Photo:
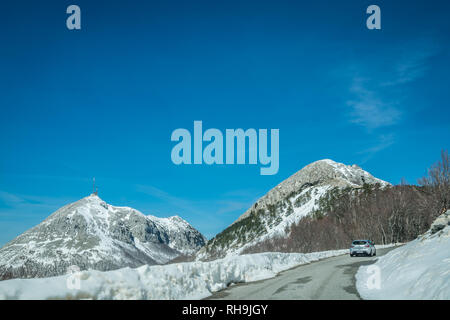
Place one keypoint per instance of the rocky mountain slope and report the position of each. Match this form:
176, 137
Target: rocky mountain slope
304, 193
92, 234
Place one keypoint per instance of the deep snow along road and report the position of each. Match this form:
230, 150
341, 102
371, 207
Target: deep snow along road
330, 279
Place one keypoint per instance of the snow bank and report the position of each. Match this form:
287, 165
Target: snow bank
191, 280
418, 270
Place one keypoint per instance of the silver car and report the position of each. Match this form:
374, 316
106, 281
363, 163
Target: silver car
363, 247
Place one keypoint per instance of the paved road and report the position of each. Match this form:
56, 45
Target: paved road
332, 278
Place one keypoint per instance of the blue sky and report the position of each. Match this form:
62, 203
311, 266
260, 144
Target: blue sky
104, 100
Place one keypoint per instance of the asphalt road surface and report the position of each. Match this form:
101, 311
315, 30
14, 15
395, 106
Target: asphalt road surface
330, 279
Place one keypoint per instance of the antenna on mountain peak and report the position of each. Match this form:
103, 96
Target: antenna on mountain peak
94, 190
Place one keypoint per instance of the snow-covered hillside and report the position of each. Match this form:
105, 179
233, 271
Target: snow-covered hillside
190, 280
92, 234
300, 195
418, 270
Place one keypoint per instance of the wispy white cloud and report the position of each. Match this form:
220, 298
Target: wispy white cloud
377, 91
205, 214
383, 142
20, 212
230, 201
413, 63
369, 109
29, 205
10, 199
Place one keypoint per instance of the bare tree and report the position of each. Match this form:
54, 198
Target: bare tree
393, 214
438, 180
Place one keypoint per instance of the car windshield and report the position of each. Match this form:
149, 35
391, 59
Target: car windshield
359, 242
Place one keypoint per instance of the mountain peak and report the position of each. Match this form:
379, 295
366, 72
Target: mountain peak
325, 172
334, 173
296, 197
92, 234
328, 161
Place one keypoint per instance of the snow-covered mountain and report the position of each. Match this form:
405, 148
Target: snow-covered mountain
92, 234
305, 193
